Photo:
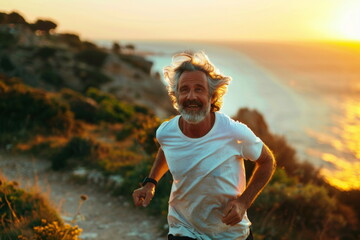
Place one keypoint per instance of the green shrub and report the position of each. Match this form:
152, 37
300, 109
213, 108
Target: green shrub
80, 150
125, 132
84, 108
6, 64
117, 160
21, 211
91, 77
146, 126
98, 95
52, 77
88, 45
115, 111
54, 231
72, 40
98, 107
25, 111
7, 40
45, 52
288, 210
111, 109
92, 57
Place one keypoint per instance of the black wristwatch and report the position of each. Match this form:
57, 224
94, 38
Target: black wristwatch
147, 179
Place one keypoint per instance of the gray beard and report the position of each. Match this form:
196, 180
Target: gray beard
194, 117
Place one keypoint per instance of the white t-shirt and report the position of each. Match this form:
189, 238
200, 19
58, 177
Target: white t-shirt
208, 172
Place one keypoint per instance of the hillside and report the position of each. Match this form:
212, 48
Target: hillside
45, 59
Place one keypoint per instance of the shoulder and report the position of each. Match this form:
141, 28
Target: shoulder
232, 125
167, 126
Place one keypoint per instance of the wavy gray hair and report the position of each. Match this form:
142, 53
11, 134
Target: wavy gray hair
198, 61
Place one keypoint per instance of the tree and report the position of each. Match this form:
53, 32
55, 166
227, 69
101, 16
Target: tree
3, 18
16, 18
130, 47
116, 48
44, 26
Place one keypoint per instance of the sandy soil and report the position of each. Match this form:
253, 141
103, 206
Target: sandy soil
102, 216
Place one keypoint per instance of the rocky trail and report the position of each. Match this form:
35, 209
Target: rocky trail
102, 216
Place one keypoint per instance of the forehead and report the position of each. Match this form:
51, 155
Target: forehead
193, 78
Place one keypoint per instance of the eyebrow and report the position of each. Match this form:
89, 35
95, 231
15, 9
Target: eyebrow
196, 85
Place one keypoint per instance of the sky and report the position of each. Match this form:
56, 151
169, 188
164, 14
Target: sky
229, 20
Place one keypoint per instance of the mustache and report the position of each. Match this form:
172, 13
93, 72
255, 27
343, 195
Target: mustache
192, 102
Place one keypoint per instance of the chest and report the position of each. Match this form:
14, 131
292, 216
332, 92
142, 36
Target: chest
186, 157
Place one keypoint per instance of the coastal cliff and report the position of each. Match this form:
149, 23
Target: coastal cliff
52, 61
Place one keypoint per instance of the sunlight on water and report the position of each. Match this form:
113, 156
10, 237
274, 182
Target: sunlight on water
346, 176
351, 127
346, 172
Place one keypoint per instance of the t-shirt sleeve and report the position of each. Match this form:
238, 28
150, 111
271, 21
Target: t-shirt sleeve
251, 145
159, 132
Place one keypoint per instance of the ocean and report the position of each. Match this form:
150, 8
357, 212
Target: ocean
307, 92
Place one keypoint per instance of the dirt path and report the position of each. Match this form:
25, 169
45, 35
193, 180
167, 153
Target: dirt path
104, 217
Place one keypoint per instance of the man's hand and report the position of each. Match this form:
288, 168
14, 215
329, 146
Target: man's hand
142, 196
233, 212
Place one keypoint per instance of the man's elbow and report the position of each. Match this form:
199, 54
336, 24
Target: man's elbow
267, 158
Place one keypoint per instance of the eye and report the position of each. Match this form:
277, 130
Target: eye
199, 89
183, 90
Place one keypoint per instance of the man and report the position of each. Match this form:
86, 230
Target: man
204, 151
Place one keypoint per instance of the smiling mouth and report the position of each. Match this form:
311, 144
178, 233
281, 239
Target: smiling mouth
193, 106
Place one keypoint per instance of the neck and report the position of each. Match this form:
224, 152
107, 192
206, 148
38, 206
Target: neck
199, 129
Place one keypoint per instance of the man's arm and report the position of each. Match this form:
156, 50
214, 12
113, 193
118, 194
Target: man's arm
264, 169
142, 196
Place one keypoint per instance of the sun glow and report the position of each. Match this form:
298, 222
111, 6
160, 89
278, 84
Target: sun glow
348, 23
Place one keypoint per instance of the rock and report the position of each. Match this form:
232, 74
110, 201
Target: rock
103, 226
96, 177
114, 181
66, 218
89, 235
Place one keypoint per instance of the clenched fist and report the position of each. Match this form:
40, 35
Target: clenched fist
142, 196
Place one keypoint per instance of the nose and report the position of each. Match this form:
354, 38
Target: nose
191, 95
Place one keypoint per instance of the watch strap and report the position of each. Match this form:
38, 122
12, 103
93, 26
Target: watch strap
147, 179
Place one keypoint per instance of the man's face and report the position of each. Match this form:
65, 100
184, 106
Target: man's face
193, 96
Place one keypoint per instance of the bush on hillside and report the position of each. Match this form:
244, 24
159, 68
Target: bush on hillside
290, 210
125, 132
84, 108
91, 77
45, 52
21, 211
78, 151
53, 231
12, 18
85, 45
44, 26
6, 65
98, 95
25, 111
111, 109
92, 57
7, 40
70, 39
52, 77
145, 128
